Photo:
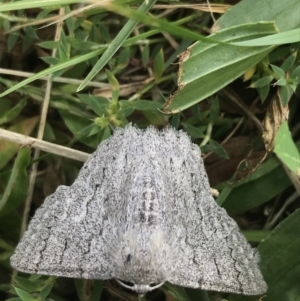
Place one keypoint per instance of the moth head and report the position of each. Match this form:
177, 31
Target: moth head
141, 289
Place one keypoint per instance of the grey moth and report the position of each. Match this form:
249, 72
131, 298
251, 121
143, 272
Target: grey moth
141, 212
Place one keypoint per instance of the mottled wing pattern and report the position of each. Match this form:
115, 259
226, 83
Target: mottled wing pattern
68, 234
211, 251
141, 211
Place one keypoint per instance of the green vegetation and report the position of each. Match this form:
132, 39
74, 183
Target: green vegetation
72, 71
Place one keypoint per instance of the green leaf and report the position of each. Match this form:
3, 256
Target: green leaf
285, 94
115, 44
24, 295
286, 150
23, 4
289, 62
194, 132
198, 80
13, 113
296, 73
76, 60
264, 81
49, 44
16, 189
145, 55
281, 82
114, 84
280, 262
46, 290
256, 235
51, 60
158, 66
157, 22
28, 285
30, 36
263, 184
287, 37
12, 40
263, 92
278, 71
75, 124
97, 104
250, 11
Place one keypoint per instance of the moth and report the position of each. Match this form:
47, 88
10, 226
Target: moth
141, 212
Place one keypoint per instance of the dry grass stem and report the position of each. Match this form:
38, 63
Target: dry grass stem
44, 146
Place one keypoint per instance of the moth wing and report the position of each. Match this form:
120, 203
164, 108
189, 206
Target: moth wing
71, 232
209, 250
216, 256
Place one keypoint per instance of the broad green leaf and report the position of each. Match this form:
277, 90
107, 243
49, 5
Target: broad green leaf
286, 150
280, 262
250, 11
206, 68
262, 185
287, 37
116, 44
16, 189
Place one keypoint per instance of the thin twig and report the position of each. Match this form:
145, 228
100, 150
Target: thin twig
44, 146
235, 100
289, 201
210, 11
228, 137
